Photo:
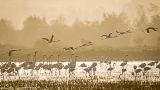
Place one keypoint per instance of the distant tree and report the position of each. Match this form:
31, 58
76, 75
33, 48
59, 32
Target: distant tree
7, 32
34, 28
114, 22
142, 23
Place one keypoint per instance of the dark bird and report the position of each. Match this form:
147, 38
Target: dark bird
51, 39
135, 67
142, 65
123, 32
107, 36
87, 69
11, 51
83, 65
89, 43
124, 70
123, 63
69, 48
138, 70
151, 28
146, 68
151, 63
158, 66
94, 64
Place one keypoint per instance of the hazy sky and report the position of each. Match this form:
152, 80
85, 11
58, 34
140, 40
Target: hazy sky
18, 10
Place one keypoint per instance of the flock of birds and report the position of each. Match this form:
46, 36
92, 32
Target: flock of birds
87, 43
10, 67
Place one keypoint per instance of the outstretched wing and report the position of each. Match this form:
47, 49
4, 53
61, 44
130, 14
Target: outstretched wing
52, 37
10, 52
45, 39
147, 30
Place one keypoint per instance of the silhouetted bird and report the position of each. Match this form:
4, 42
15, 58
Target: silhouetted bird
151, 28
11, 51
142, 65
151, 63
69, 48
83, 65
123, 63
89, 43
107, 36
123, 32
138, 70
135, 67
51, 39
146, 68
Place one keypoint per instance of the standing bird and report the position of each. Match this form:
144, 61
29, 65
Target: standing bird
158, 66
111, 68
83, 65
142, 65
151, 28
151, 63
123, 63
51, 39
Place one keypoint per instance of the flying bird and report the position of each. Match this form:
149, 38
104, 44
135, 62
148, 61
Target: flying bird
69, 48
89, 43
107, 36
51, 39
151, 28
11, 51
123, 32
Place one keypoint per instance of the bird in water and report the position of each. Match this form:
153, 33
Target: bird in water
151, 28
51, 39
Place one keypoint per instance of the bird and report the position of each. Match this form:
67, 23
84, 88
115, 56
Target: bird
135, 67
94, 64
151, 63
158, 66
146, 68
13, 50
151, 28
89, 43
51, 39
123, 32
83, 65
107, 36
142, 65
69, 48
111, 68
123, 63
138, 71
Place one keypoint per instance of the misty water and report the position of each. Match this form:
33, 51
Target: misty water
101, 73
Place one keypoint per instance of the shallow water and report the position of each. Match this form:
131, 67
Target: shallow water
101, 72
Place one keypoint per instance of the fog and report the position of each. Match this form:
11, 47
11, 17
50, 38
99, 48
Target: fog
24, 22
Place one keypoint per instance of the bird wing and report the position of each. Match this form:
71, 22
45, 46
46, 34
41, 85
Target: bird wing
147, 30
10, 52
52, 37
45, 39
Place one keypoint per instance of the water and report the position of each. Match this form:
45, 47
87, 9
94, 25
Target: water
101, 73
